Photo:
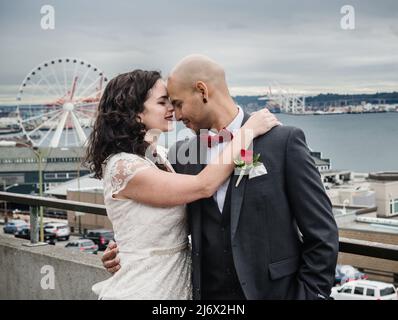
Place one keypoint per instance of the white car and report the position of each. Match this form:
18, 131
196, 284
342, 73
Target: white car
61, 230
365, 290
83, 245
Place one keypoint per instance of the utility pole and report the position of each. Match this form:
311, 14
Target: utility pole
39, 158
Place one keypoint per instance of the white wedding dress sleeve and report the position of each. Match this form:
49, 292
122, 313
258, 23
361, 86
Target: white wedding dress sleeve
153, 242
123, 169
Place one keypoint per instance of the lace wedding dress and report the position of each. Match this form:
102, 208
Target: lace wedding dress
153, 242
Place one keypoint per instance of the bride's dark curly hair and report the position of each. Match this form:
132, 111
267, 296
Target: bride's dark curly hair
118, 127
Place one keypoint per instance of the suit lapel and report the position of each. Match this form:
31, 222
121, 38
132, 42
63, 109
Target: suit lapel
237, 194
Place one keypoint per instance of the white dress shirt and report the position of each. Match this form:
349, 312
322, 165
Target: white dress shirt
212, 152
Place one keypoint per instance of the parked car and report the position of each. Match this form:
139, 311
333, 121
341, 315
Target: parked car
57, 214
365, 290
83, 245
61, 230
101, 237
347, 273
14, 226
49, 237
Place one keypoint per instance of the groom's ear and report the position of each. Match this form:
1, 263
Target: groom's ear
202, 88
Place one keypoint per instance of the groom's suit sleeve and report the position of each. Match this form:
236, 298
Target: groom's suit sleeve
313, 213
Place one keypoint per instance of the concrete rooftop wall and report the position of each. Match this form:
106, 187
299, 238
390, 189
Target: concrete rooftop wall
23, 271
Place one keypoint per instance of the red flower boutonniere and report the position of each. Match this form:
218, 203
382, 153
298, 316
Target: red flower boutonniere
248, 164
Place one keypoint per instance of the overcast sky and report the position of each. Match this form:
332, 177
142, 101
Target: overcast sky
297, 44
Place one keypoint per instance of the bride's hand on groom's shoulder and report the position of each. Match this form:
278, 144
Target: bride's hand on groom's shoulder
110, 259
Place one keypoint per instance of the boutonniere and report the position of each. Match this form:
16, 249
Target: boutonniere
248, 165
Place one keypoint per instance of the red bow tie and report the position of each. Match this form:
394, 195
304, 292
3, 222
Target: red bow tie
223, 136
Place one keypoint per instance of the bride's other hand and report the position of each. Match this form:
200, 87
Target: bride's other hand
110, 259
260, 122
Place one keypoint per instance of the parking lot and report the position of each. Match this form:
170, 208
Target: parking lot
59, 243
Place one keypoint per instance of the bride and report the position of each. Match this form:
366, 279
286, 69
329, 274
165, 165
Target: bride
144, 197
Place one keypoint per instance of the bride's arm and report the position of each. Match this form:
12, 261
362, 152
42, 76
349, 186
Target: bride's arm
160, 188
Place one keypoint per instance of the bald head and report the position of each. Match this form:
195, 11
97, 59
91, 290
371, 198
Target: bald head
199, 93
194, 68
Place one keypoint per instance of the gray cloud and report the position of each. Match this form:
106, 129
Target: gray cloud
299, 44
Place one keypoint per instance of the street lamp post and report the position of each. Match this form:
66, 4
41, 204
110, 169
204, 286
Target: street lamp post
78, 192
78, 214
5, 204
39, 158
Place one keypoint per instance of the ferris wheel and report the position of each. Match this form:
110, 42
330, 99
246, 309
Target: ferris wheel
57, 102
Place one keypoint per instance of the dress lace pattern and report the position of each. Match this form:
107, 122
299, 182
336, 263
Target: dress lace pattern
124, 168
153, 243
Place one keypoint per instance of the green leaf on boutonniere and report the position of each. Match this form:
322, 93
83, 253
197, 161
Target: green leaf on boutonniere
239, 163
256, 158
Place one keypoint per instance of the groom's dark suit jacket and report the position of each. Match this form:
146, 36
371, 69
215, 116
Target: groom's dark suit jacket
284, 237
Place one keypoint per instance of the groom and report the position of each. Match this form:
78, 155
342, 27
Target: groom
272, 236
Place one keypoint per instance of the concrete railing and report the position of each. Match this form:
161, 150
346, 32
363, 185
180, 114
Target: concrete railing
23, 269
46, 272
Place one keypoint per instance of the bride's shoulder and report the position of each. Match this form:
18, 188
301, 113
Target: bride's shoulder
122, 157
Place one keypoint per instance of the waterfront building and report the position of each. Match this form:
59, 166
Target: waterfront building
21, 166
385, 185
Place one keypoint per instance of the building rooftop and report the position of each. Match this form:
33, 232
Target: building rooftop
348, 220
384, 176
86, 183
23, 152
320, 162
33, 167
336, 171
18, 159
